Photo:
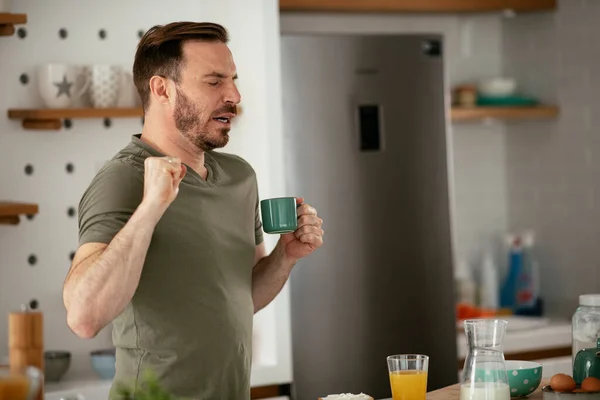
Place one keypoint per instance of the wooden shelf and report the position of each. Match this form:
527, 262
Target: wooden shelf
512, 113
8, 22
10, 211
417, 6
50, 118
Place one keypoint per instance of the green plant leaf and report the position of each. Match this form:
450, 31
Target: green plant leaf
149, 389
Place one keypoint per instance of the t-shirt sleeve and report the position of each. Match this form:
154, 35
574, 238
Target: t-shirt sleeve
258, 231
109, 201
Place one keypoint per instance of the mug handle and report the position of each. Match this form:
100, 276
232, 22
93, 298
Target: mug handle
85, 86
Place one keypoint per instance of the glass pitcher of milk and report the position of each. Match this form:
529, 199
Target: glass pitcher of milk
484, 375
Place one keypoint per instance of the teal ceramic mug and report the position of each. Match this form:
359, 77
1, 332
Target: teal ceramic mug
587, 363
279, 215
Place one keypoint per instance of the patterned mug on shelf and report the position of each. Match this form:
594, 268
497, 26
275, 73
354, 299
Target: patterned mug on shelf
104, 86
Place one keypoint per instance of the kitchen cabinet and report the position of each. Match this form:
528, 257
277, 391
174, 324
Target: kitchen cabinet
556, 365
548, 344
417, 6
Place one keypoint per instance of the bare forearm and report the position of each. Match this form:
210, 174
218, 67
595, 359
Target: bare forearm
269, 276
97, 293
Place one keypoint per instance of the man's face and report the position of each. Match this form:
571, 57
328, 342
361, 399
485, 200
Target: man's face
206, 94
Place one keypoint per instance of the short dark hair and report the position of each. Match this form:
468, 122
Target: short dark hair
160, 51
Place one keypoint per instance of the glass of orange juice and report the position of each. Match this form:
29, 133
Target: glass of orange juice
20, 384
408, 376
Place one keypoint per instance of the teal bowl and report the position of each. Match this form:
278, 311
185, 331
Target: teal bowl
524, 377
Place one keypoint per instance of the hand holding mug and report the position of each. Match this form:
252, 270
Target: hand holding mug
299, 224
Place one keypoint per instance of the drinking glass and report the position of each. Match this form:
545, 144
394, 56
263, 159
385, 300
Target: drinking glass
408, 376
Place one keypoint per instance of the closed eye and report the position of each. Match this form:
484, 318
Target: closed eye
213, 83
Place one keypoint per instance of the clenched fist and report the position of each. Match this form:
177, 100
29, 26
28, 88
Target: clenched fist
162, 176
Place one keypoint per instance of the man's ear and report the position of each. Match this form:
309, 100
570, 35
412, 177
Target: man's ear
160, 90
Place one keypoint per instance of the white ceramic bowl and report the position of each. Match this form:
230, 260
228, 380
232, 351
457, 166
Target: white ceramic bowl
497, 87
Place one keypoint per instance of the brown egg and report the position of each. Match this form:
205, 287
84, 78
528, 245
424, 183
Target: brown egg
579, 391
562, 383
591, 384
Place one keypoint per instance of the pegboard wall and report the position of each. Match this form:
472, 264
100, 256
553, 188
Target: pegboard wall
53, 168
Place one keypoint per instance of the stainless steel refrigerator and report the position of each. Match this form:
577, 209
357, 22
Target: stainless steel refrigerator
365, 139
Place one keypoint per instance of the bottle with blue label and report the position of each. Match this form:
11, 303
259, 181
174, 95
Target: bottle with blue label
508, 292
529, 299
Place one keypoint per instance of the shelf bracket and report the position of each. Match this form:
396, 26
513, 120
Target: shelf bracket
8, 22
10, 220
42, 124
7, 30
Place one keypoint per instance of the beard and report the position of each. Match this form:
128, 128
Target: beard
189, 121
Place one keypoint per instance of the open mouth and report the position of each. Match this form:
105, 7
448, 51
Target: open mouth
224, 118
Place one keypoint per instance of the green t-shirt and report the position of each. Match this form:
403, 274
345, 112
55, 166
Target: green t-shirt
190, 320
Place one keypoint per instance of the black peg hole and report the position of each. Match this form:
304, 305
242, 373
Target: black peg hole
68, 123
29, 169
32, 260
107, 122
102, 34
71, 255
30, 217
71, 212
22, 33
24, 78
141, 33
63, 33
34, 304
70, 168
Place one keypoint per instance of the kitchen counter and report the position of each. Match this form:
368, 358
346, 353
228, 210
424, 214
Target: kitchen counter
546, 340
96, 388
453, 393
541, 339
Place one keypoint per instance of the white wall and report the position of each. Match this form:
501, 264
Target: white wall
473, 48
52, 235
553, 171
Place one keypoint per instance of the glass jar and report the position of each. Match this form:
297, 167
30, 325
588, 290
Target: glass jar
586, 323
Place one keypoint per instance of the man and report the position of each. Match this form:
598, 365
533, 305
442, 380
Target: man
171, 245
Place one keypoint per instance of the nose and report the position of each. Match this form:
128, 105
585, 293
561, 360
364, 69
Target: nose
233, 95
